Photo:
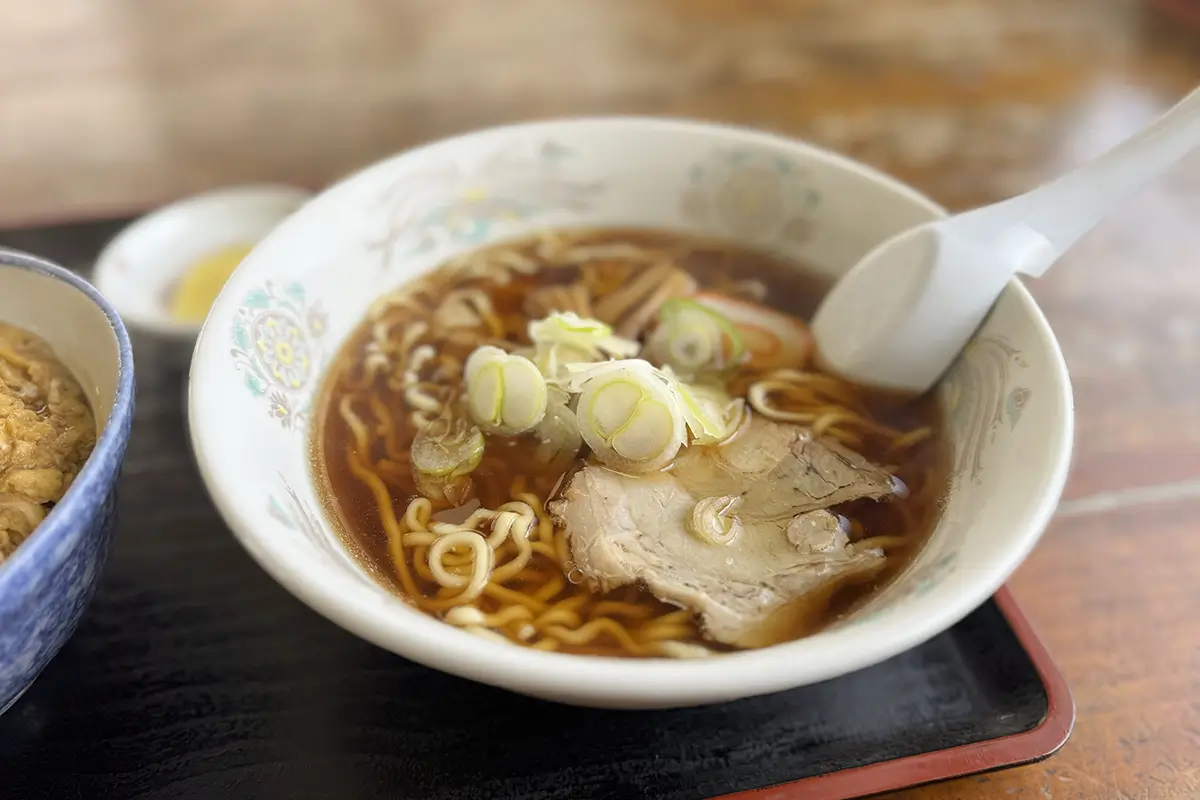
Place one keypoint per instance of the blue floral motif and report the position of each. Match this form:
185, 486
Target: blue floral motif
282, 349
276, 336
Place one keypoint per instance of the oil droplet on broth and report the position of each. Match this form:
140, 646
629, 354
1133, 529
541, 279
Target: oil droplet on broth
575, 575
195, 292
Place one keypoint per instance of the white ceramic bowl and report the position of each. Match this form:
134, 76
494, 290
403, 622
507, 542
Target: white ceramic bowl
261, 354
138, 268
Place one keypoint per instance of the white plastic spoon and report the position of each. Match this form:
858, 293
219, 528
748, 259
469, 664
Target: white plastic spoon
901, 315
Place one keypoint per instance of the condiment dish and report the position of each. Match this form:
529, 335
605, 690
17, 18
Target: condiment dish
144, 264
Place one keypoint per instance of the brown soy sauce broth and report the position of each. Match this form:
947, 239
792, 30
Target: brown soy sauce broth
716, 266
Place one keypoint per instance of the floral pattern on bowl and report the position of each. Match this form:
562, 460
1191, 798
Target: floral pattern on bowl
461, 203
979, 397
287, 507
762, 197
277, 336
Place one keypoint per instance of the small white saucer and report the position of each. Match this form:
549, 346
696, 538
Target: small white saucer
138, 268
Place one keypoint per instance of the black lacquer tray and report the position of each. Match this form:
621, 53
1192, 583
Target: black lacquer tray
194, 675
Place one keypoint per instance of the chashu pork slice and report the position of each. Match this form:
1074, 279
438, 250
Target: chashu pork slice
776, 578
779, 470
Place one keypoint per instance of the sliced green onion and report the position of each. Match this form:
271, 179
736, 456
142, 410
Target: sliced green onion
551, 358
444, 454
712, 416
506, 394
691, 338
446, 449
772, 339
565, 337
558, 432
567, 327
628, 414
714, 520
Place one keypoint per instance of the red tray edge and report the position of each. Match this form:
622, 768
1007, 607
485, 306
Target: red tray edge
955, 762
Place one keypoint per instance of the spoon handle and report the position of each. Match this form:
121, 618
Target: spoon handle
1065, 209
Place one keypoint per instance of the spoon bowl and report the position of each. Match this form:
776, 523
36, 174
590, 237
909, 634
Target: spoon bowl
901, 315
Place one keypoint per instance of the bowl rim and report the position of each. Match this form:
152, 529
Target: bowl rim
226, 199
621, 682
102, 467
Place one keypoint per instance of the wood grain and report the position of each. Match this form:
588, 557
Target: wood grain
119, 104
1110, 595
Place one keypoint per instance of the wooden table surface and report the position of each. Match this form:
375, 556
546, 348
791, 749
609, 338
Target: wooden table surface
968, 100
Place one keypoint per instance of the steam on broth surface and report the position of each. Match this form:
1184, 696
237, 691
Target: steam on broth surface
615, 443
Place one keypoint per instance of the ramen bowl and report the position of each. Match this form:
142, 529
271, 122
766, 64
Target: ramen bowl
47, 582
260, 358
